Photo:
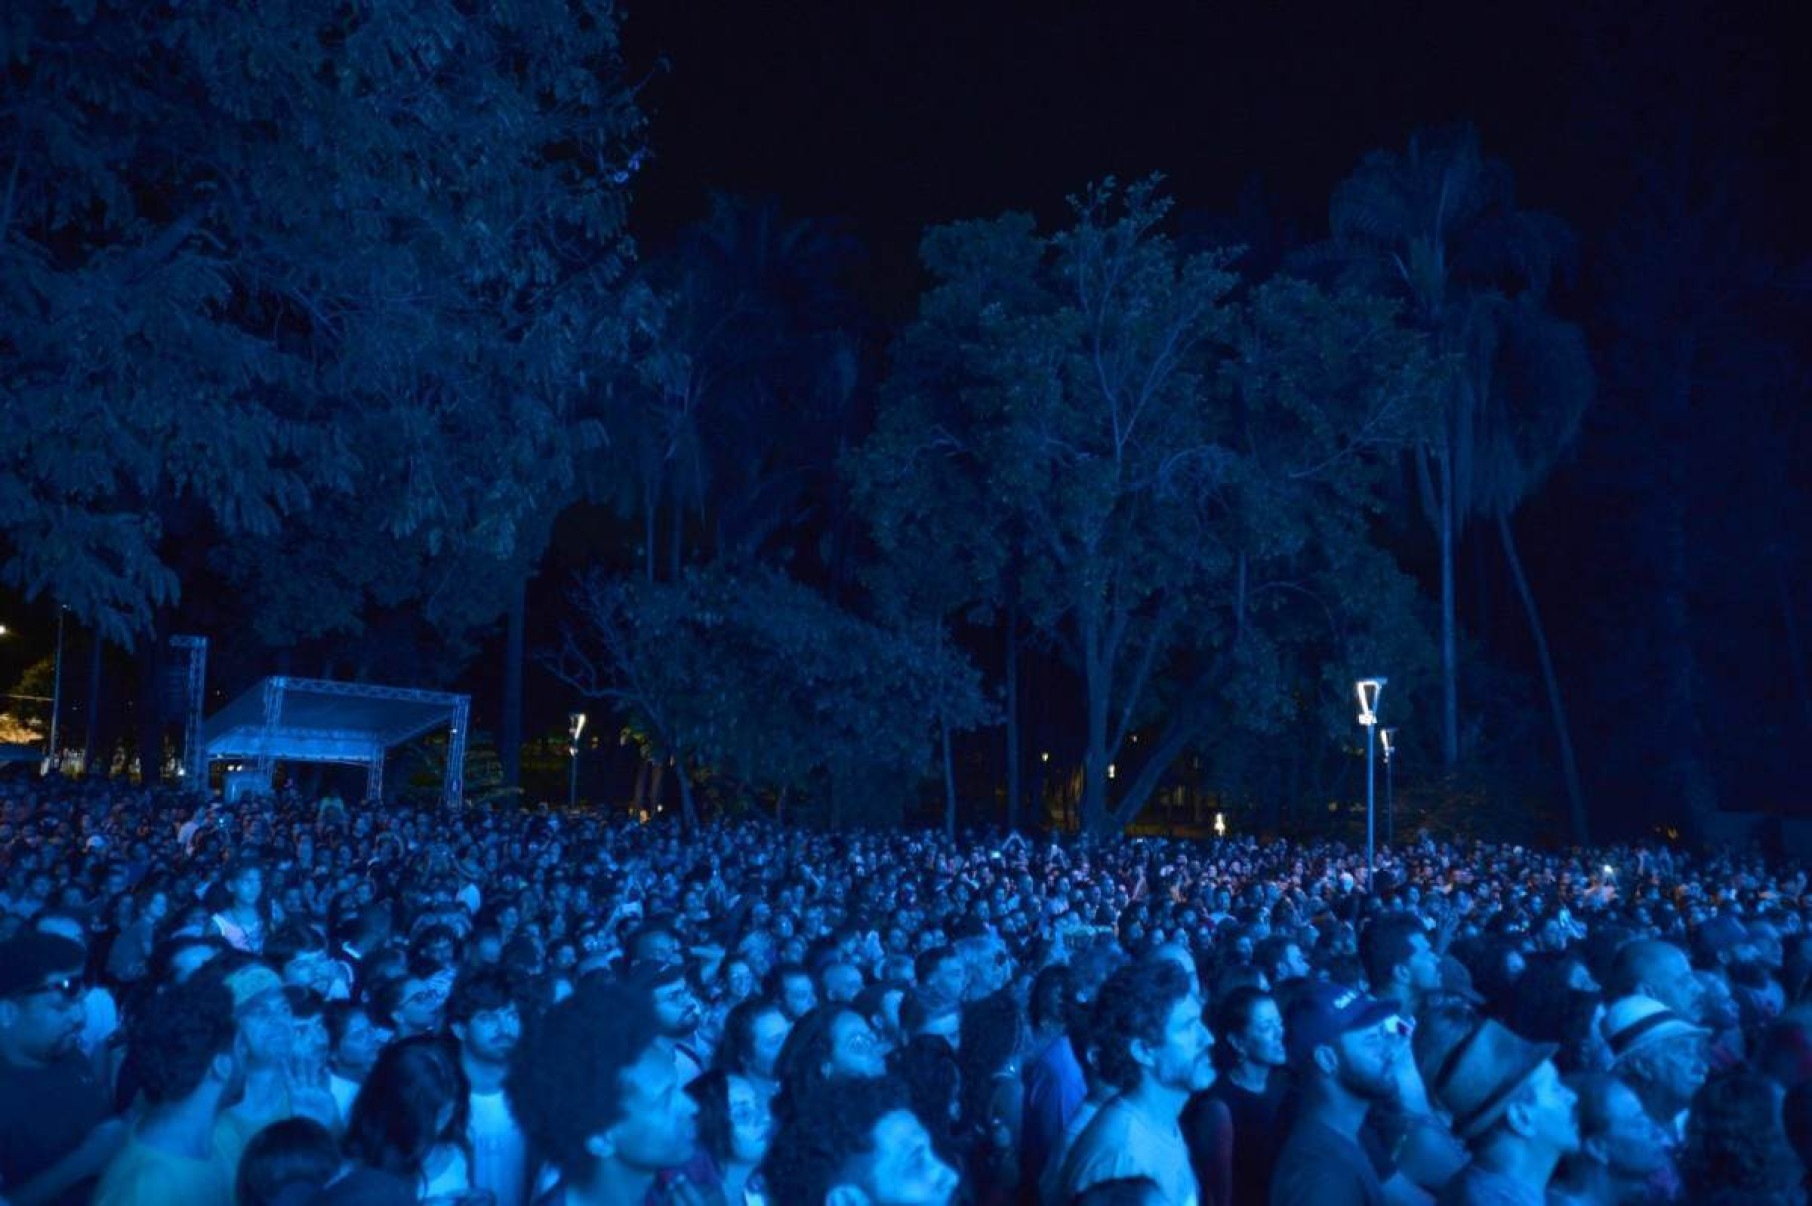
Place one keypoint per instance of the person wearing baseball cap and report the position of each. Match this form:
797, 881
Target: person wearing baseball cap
55, 1132
1343, 1046
1509, 1107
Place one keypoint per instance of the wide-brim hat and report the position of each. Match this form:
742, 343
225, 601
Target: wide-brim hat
1636, 1023
1475, 1079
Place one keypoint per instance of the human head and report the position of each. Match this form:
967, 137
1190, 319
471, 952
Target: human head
1615, 1132
485, 1015
1148, 1025
942, 975
795, 990
1341, 1040
1501, 1088
858, 1142
353, 1037
754, 1033
286, 1162
1248, 1028
1280, 957
1656, 1052
591, 1085
735, 1125
1735, 1143
41, 990
413, 1098
1652, 968
1399, 961
185, 1040
832, 1042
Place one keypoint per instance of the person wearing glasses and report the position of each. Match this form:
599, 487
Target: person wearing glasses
55, 1130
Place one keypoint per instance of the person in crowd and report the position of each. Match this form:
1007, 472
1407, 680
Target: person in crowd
857, 1143
735, 1128
795, 990
598, 1095
275, 1087
1736, 1151
1279, 958
243, 919
1230, 1127
1622, 1154
1153, 1047
485, 1017
1659, 971
942, 976
676, 1006
832, 1042
1054, 1085
189, 1069
1510, 1107
755, 1033
992, 1094
1659, 1054
353, 1042
398, 1143
1401, 964
287, 1164
1343, 1047
56, 1126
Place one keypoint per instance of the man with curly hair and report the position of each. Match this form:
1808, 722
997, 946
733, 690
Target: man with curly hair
185, 1043
857, 1143
1152, 1046
598, 1095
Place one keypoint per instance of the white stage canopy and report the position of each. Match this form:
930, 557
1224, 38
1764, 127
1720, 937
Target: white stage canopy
317, 720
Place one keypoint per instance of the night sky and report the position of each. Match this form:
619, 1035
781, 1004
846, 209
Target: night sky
895, 115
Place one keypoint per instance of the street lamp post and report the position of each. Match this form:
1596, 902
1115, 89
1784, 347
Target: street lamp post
1369, 690
1389, 739
56, 695
575, 724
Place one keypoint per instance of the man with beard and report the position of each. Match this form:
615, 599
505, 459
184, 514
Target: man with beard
1344, 1046
1401, 965
678, 1013
186, 1046
487, 1022
1150, 1043
1659, 1054
1511, 1110
55, 1135
858, 1142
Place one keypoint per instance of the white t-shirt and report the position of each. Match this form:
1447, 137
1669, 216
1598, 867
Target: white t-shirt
1122, 1142
499, 1150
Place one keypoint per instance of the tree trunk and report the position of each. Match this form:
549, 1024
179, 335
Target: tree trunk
509, 739
1450, 657
1013, 716
648, 531
90, 741
1563, 734
688, 806
943, 726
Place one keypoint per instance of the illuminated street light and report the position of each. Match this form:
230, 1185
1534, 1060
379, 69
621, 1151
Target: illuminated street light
1369, 690
575, 724
1388, 738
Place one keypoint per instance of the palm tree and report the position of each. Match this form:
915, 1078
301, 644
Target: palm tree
1439, 226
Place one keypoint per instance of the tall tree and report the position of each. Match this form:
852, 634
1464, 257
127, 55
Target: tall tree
1439, 226
1090, 406
256, 261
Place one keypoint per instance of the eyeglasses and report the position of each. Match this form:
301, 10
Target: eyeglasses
70, 988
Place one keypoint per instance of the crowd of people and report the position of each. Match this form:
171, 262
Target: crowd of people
291, 1001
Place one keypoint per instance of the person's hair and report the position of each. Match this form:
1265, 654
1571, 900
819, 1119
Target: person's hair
385, 998
836, 1126
928, 1068
1594, 1091
1796, 1120
290, 1152
711, 1091
800, 1066
292, 938
925, 965
481, 990
176, 1035
337, 1017
1135, 1003
1735, 1140
737, 1047
1049, 1003
1232, 1014
395, 1118
1270, 952
1385, 945
991, 1029
565, 1078
1631, 965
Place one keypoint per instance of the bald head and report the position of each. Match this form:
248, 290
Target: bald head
1660, 970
